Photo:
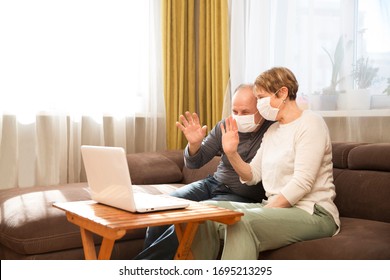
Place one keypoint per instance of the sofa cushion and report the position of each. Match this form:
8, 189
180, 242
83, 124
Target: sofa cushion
30, 225
370, 157
153, 168
358, 240
177, 156
122, 250
363, 194
192, 175
340, 151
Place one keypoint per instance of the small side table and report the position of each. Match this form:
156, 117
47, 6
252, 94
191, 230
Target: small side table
112, 224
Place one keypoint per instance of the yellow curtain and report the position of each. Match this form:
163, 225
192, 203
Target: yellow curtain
213, 71
179, 65
194, 79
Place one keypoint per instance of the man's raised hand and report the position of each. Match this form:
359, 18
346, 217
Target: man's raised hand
192, 129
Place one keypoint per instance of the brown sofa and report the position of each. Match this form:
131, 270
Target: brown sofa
32, 229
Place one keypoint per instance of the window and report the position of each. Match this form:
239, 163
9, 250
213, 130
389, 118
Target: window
363, 30
78, 57
373, 38
303, 35
72, 73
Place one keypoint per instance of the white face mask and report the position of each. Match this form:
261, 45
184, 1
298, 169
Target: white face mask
266, 110
246, 123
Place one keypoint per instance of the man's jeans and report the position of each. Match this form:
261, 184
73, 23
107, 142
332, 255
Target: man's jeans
161, 242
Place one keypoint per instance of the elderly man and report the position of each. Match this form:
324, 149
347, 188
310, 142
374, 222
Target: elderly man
224, 185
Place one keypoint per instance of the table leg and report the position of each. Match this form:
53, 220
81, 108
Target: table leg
185, 240
106, 249
88, 244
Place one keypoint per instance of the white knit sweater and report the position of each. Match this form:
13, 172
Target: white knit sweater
295, 159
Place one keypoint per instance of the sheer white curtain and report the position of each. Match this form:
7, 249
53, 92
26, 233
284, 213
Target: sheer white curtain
298, 34
72, 73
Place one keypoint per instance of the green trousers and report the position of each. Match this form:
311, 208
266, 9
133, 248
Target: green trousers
260, 229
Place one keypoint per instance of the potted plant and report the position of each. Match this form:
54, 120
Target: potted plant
328, 99
387, 90
337, 61
381, 101
364, 75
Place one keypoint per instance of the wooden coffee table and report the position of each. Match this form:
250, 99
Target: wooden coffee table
112, 224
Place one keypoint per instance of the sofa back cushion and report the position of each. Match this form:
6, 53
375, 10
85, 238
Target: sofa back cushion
340, 151
370, 157
155, 167
363, 186
192, 175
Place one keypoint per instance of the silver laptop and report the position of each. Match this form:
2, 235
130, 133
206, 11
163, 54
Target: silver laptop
109, 181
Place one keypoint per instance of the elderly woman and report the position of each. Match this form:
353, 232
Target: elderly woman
294, 163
